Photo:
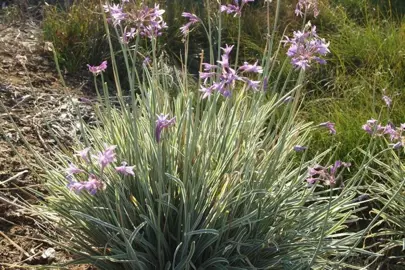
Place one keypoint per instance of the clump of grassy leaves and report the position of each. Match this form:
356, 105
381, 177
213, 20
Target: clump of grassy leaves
222, 189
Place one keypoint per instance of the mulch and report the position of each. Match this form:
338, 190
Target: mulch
33, 100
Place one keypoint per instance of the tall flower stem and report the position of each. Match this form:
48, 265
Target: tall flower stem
238, 42
209, 33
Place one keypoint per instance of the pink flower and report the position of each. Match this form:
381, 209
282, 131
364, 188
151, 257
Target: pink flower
124, 169
98, 69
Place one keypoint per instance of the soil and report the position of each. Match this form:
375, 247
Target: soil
34, 107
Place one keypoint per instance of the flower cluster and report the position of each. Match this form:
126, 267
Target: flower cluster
327, 175
305, 5
306, 47
234, 8
163, 122
395, 134
148, 22
228, 75
98, 69
94, 183
192, 19
116, 13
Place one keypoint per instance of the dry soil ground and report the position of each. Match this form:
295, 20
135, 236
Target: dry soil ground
32, 102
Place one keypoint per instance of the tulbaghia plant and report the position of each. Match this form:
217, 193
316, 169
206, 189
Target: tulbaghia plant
212, 184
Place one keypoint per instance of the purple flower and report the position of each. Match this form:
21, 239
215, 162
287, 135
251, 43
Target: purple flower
209, 67
251, 68
397, 145
300, 148
150, 21
305, 5
387, 100
192, 19
161, 123
124, 169
128, 35
390, 129
330, 126
98, 69
229, 9
92, 185
206, 75
228, 76
74, 185
254, 85
370, 127
207, 91
367, 128
116, 13
84, 154
107, 156
73, 169
234, 8
146, 61
306, 47
325, 175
